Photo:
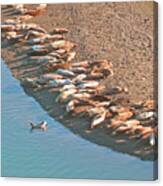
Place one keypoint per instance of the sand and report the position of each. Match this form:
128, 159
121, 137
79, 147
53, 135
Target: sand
123, 33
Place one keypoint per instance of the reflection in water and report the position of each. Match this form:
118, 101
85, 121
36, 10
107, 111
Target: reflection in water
58, 152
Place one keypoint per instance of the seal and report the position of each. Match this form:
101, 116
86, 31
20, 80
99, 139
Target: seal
42, 126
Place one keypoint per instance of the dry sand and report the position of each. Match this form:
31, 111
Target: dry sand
123, 33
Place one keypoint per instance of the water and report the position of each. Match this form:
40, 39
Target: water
57, 153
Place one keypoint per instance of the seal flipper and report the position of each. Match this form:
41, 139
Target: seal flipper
32, 125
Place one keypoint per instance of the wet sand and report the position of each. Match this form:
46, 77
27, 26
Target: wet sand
119, 32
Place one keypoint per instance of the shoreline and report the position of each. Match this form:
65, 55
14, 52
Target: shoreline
78, 125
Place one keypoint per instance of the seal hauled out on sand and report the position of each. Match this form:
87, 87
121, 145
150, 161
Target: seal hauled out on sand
43, 126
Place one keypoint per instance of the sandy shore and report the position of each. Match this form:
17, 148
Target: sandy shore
119, 32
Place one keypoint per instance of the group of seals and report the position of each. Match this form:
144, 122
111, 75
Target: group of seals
79, 84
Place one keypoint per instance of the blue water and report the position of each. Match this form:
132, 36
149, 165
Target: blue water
57, 153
